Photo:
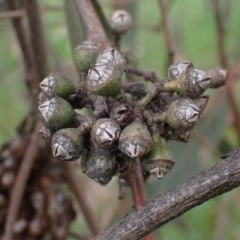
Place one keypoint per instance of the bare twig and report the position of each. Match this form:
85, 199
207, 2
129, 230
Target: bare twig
220, 33
223, 61
91, 23
221, 178
206, 143
135, 180
148, 76
74, 183
30, 68
36, 37
137, 187
166, 34
20, 182
21, 13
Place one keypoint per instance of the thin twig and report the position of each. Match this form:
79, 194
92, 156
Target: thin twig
30, 68
206, 143
21, 13
135, 180
219, 179
148, 76
36, 37
91, 24
223, 61
166, 34
20, 182
75, 184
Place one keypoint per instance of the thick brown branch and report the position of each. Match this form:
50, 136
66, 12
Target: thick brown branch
20, 183
91, 24
75, 185
213, 182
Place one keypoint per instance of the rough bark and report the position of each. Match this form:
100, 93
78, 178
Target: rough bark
221, 178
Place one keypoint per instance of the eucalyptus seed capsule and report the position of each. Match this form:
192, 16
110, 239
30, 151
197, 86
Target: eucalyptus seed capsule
56, 113
182, 114
42, 97
201, 102
67, 144
159, 161
120, 21
176, 69
173, 134
112, 56
104, 80
122, 114
135, 140
85, 55
45, 132
218, 75
190, 82
57, 84
99, 164
105, 132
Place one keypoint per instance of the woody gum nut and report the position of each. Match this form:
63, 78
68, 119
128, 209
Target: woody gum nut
104, 80
100, 165
159, 161
105, 132
120, 21
85, 55
176, 69
57, 84
112, 56
135, 140
56, 113
67, 144
182, 114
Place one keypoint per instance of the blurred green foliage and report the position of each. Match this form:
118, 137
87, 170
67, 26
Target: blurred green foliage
193, 33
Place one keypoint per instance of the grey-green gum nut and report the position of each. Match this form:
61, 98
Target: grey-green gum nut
57, 113
182, 114
104, 80
56, 84
85, 55
159, 161
135, 140
99, 164
67, 144
105, 132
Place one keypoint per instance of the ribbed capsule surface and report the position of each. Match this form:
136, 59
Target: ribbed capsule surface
56, 84
112, 56
187, 80
120, 21
135, 140
85, 55
67, 144
99, 164
45, 133
56, 113
176, 69
218, 76
182, 114
104, 80
122, 114
159, 161
105, 132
